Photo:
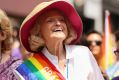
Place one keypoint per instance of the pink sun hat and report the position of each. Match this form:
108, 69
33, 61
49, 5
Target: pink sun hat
62, 5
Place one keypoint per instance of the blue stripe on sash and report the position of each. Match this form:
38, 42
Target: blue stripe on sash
26, 72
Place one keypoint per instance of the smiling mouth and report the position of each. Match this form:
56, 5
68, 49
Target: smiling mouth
57, 30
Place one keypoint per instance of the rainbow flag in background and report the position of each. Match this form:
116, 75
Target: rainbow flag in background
107, 47
38, 67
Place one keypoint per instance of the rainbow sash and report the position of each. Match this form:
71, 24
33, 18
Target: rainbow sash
38, 67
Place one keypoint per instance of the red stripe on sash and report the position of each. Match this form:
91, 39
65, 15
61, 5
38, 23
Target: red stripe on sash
46, 63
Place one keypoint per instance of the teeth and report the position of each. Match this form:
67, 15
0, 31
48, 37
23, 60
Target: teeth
55, 30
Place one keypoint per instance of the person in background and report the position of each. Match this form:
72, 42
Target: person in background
50, 32
83, 40
94, 42
18, 50
15, 35
7, 62
114, 71
117, 45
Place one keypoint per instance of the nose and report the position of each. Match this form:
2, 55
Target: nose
58, 23
93, 43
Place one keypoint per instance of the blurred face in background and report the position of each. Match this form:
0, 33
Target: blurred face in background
117, 51
94, 42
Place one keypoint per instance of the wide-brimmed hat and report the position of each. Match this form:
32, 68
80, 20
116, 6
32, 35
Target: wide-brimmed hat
62, 5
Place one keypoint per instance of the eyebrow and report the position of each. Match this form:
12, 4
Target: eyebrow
55, 16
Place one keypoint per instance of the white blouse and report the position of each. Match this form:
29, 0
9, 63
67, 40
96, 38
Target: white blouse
81, 65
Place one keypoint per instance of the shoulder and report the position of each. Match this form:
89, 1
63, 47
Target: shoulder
15, 62
78, 49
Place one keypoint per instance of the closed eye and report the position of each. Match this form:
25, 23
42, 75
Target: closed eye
49, 20
62, 20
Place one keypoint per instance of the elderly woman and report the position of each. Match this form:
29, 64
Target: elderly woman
49, 32
7, 62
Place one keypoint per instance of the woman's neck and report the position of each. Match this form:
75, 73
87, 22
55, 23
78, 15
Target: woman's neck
57, 49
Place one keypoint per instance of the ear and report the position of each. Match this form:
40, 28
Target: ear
2, 36
35, 42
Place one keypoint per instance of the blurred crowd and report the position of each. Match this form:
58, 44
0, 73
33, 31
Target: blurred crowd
93, 40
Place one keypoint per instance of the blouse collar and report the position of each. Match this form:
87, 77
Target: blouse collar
54, 58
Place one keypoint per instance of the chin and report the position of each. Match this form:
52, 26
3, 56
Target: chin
62, 36
95, 53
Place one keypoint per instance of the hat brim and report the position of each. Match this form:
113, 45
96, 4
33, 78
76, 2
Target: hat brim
61, 5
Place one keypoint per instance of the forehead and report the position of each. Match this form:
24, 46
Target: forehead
94, 36
51, 13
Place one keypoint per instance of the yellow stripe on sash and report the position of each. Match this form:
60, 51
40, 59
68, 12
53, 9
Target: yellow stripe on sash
42, 69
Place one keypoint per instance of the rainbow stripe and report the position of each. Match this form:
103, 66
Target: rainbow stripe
113, 71
38, 67
107, 59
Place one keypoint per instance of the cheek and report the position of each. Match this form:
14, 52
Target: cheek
66, 31
45, 31
95, 48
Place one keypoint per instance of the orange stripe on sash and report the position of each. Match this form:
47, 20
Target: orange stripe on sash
48, 66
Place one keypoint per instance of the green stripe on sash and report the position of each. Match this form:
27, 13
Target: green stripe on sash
34, 70
39, 66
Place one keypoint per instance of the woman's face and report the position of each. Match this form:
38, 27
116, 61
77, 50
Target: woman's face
53, 26
94, 41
